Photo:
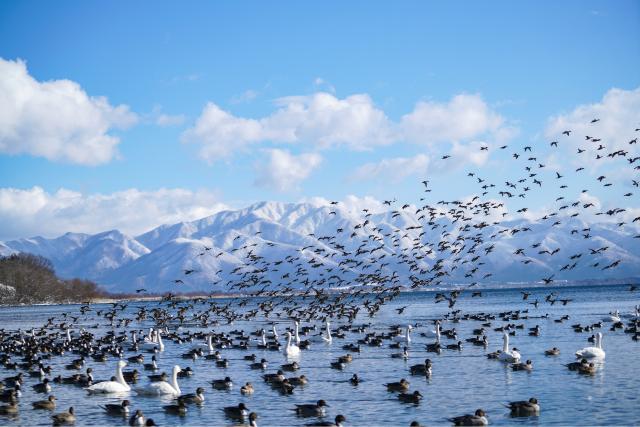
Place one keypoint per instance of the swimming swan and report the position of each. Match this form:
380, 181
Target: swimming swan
592, 352
291, 350
117, 386
162, 388
508, 356
404, 338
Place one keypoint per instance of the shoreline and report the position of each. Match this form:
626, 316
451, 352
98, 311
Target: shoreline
490, 286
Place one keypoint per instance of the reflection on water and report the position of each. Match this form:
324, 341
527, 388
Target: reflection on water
461, 382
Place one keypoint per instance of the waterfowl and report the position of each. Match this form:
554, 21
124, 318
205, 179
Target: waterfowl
595, 352
158, 377
153, 366
49, 404
186, 372
337, 422
403, 355
575, 366
587, 368
421, 369
259, 365
225, 384
404, 338
477, 419
527, 366
246, 389
137, 419
162, 387
43, 387
239, 412
10, 409
457, 346
338, 364
312, 410
298, 381
179, 409
505, 355
524, 408
402, 386
193, 398
121, 410
414, 397
552, 352
64, 418
354, 380
290, 367
117, 386
291, 350
224, 363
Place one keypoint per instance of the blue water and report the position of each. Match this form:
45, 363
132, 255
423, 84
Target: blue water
461, 382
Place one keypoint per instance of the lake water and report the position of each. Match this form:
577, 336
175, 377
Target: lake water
461, 381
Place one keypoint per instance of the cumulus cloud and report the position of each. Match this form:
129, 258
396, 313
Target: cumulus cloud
322, 121
284, 171
56, 119
618, 113
393, 169
34, 211
464, 117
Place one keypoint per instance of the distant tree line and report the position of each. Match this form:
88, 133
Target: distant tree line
31, 279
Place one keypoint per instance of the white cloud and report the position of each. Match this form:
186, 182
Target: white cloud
246, 96
170, 120
56, 119
284, 171
618, 114
37, 212
393, 169
464, 117
323, 120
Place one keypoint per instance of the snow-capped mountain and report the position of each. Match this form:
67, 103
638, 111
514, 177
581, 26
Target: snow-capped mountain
274, 243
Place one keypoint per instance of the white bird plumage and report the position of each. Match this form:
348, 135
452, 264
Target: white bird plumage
595, 352
162, 388
509, 356
404, 338
117, 386
291, 350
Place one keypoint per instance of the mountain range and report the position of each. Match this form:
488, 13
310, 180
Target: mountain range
315, 239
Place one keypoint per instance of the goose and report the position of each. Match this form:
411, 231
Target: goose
595, 352
414, 397
337, 422
117, 386
291, 350
524, 408
197, 397
119, 410
49, 404
64, 418
311, 410
404, 338
506, 355
421, 369
162, 388
477, 419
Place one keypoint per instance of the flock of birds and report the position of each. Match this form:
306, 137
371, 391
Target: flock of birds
429, 250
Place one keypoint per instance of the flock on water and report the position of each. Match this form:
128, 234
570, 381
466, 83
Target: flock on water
309, 304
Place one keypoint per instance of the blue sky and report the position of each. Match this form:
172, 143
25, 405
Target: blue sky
522, 62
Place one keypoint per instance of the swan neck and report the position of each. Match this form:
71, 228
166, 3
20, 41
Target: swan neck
119, 376
174, 380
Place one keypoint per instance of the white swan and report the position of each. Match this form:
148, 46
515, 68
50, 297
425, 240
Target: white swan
275, 332
612, 317
297, 336
407, 338
117, 386
291, 350
154, 342
324, 337
209, 344
595, 352
508, 356
162, 388
433, 332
